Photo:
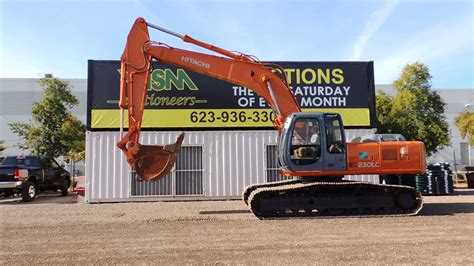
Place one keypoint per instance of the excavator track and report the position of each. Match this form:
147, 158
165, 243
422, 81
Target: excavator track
345, 198
249, 189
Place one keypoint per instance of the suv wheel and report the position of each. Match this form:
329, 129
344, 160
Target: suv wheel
28, 193
65, 187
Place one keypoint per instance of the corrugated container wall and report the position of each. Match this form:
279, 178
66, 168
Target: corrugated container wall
222, 164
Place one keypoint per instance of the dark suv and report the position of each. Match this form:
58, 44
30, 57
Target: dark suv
29, 174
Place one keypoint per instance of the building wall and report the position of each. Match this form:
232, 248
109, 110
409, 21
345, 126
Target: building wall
17, 96
456, 99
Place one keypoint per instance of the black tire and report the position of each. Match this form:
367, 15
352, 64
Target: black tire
28, 191
65, 187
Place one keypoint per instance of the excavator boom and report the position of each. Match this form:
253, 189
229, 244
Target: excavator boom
154, 162
151, 162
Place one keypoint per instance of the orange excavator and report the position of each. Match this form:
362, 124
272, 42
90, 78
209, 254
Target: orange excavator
312, 147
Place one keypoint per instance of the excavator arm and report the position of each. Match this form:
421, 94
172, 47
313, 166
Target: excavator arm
154, 162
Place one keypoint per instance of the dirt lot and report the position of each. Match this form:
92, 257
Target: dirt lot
223, 232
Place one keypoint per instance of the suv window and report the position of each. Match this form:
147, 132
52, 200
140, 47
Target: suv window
55, 164
23, 161
47, 163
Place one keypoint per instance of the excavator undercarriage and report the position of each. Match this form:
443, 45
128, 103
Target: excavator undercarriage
297, 198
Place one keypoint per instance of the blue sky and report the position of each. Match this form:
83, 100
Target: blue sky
59, 36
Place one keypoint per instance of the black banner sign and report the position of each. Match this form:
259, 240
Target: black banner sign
179, 98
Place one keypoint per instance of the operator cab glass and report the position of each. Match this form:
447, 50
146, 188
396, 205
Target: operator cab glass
305, 142
312, 142
335, 140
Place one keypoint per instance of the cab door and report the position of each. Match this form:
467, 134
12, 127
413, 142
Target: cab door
301, 142
59, 174
49, 173
334, 146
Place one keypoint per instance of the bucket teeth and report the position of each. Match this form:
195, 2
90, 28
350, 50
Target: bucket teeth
154, 162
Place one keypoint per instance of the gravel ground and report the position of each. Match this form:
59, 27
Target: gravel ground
224, 232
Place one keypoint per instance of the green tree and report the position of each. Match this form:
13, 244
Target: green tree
383, 110
74, 133
53, 130
416, 111
465, 123
3, 146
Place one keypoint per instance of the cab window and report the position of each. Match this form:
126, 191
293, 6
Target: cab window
305, 142
334, 136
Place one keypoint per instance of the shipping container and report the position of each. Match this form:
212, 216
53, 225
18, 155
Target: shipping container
211, 165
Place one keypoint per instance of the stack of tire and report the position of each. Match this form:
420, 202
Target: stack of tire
438, 180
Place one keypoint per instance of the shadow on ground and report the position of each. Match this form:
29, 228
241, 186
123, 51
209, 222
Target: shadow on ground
224, 212
42, 198
450, 208
429, 209
433, 209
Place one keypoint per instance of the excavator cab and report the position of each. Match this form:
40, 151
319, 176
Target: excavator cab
312, 142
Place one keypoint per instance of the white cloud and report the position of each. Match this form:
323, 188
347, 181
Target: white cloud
374, 22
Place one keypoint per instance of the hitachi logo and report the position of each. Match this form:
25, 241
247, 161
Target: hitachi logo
195, 62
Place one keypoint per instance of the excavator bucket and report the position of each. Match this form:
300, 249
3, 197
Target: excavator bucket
154, 162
